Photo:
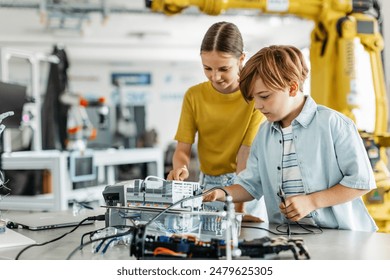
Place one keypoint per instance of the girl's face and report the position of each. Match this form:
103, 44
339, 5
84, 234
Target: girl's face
276, 105
222, 70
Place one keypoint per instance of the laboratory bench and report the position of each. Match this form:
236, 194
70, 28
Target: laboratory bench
328, 244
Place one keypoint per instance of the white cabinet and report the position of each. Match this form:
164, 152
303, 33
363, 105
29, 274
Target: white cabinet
56, 162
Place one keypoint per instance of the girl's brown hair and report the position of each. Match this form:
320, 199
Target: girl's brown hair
223, 37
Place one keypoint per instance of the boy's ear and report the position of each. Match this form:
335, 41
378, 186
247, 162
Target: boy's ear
293, 89
242, 59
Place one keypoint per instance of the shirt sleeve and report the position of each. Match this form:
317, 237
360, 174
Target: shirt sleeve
187, 127
249, 178
256, 119
352, 158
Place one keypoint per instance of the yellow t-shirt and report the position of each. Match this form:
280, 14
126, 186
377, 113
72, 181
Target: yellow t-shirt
223, 122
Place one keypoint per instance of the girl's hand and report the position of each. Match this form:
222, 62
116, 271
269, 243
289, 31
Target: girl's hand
179, 174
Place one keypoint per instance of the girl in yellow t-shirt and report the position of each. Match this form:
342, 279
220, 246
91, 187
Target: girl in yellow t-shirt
224, 122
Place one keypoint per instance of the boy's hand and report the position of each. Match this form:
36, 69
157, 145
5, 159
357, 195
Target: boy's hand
239, 208
216, 195
251, 219
296, 207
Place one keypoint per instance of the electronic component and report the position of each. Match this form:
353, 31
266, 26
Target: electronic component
153, 193
189, 232
148, 246
143, 200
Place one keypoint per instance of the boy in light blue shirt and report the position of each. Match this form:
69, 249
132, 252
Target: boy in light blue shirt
308, 161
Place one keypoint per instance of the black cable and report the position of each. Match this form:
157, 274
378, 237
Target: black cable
92, 218
81, 246
92, 232
283, 200
306, 227
279, 232
261, 228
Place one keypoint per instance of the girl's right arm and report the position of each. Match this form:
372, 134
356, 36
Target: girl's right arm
181, 160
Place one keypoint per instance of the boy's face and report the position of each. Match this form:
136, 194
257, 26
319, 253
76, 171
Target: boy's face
276, 105
222, 70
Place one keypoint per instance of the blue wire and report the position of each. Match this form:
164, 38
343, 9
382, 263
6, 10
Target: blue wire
108, 244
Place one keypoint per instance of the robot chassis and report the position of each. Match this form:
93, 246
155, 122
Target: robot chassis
134, 197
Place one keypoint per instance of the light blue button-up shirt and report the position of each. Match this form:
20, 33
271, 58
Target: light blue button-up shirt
329, 151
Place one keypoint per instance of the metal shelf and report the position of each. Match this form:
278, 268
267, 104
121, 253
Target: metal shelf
57, 163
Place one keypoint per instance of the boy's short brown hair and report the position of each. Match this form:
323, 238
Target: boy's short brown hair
277, 66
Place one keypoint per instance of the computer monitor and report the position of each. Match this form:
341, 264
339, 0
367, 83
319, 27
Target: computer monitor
82, 166
12, 98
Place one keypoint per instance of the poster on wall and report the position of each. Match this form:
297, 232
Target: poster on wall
131, 88
131, 79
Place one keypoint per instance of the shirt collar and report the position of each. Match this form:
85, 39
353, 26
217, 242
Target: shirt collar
305, 116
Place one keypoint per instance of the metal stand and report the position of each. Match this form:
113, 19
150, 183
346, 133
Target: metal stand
35, 60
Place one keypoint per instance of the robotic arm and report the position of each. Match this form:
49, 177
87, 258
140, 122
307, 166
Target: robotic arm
80, 128
338, 25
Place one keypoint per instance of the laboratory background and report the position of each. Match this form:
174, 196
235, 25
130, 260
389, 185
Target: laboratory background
90, 99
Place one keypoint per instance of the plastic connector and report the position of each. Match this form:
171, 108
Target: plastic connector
2, 226
97, 218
